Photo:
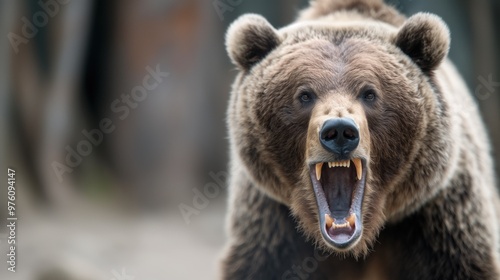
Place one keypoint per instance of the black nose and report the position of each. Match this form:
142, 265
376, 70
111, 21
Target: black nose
339, 136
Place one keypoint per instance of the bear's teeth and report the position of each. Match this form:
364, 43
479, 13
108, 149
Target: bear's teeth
351, 220
318, 170
328, 221
359, 167
344, 225
345, 163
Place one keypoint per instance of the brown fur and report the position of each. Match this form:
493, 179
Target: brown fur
430, 194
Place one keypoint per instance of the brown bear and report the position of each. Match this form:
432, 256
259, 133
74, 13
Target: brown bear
357, 151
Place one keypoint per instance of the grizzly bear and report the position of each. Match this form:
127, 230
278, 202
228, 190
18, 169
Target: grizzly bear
357, 151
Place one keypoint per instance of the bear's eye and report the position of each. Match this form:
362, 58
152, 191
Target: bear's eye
369, 95
306, 97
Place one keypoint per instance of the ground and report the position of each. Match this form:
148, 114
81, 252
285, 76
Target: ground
89, 245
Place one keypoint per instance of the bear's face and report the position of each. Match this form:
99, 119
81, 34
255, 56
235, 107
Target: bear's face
326, 118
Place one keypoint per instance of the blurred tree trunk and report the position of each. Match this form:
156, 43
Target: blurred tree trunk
46, 76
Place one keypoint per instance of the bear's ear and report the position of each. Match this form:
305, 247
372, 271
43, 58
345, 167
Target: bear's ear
425, 38
249, 39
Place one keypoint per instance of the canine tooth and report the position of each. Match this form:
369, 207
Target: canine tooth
351, 220
359, 167
328, 221
345, 163
318, 170
348, 164
329, 164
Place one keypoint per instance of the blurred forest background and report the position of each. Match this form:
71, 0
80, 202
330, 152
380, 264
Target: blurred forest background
118, 211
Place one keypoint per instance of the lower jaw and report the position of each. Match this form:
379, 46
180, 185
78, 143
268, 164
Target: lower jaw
343, 238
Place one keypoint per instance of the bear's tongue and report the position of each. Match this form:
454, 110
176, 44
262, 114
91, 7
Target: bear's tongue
338, 184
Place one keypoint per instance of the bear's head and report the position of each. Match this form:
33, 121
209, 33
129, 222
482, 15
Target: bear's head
330, 119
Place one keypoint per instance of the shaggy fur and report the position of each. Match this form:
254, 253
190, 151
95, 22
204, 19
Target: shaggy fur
429, 207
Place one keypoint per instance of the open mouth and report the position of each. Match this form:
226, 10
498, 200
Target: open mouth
339, 188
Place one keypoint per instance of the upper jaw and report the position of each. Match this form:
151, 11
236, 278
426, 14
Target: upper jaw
339, 189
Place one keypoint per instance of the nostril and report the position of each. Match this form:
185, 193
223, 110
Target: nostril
331, 135
350, 134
